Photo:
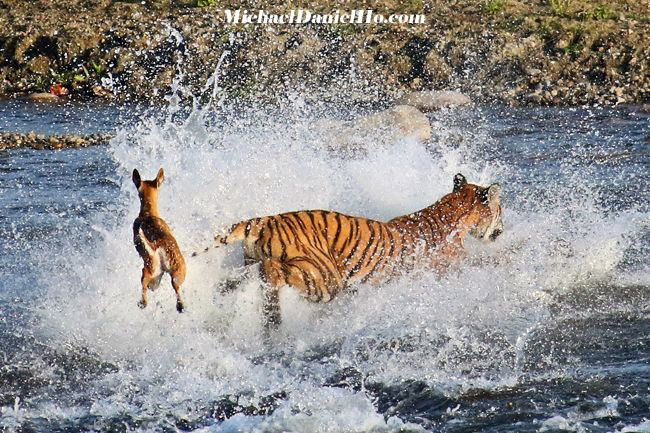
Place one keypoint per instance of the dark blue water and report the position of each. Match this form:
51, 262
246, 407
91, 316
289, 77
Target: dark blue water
65, 118
547, 330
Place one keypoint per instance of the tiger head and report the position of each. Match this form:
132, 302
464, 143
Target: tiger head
485, 222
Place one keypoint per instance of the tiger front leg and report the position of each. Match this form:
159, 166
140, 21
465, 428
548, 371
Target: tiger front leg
274, 278
271, 308
444, 258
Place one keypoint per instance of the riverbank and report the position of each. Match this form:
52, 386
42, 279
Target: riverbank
556, 52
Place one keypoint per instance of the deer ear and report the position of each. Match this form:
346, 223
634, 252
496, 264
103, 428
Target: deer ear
459, 182
136, 178
160, 177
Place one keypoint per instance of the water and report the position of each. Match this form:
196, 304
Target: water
65, 118
545, 330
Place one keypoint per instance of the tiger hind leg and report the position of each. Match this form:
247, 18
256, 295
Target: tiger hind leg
314, 282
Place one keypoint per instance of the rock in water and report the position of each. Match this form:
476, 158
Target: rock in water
384, 127
42, 97
395, 123
434, 100
10, 140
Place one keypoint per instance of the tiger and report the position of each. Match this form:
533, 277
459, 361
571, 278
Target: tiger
320, 252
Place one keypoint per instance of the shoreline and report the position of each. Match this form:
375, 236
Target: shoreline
556, 53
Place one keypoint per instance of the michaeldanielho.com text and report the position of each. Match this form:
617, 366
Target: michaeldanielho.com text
303, 16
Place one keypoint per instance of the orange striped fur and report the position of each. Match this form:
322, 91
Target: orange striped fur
322, 252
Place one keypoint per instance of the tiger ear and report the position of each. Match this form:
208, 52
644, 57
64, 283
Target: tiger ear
490, 195
494, 194
459, 182
160, 177
136, 178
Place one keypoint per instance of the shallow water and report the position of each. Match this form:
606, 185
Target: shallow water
544, 330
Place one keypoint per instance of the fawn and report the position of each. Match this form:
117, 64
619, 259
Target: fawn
155, 243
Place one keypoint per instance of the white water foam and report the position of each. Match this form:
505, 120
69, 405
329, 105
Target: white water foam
576, 421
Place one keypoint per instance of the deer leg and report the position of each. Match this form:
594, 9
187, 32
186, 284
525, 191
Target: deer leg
155, 281
178, 277
146, 280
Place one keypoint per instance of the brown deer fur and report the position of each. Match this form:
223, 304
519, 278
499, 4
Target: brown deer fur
155, 243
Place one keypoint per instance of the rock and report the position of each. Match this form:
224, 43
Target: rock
39, 141
433, 100
397, 122
437, 68
42, 97
39, 65
647, 139
385, 127
100, 91
76, 141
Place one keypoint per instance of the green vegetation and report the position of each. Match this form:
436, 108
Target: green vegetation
513, 25
544, 29
559, 7
414, 6
599, 13
547, 28
206, 3
64, 78
98, 68
576, 45
494, 6
39, 83
345, 29
574, 48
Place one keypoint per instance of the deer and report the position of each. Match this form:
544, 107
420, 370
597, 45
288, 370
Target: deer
155, 242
